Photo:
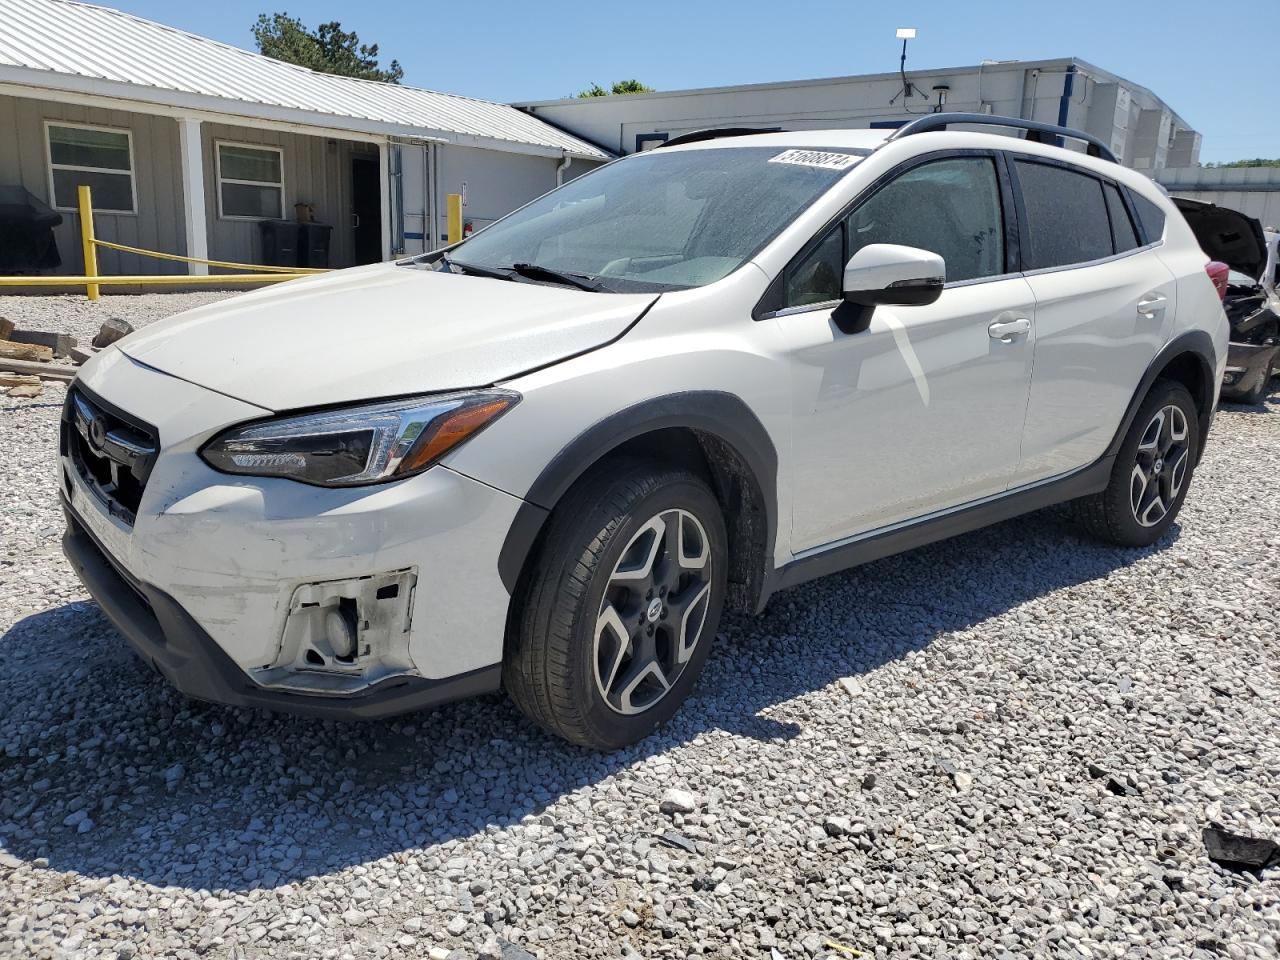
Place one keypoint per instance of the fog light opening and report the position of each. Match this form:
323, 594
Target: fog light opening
344, 635
343, 630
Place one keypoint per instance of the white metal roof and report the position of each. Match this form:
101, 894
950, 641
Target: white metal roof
79, 47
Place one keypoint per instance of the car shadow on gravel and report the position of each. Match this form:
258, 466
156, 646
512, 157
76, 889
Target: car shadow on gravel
105, 770
1249, 408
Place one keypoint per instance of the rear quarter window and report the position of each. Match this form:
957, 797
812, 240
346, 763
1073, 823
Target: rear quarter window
1121, 226
1067, 216
1150, 216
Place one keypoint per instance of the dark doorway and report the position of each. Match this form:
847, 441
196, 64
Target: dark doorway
366, 210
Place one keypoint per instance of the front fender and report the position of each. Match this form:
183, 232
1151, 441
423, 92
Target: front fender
720, 415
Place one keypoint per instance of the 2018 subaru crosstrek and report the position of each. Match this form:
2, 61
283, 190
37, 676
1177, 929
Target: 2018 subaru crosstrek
546, 458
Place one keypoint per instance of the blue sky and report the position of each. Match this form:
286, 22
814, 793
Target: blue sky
1221, 83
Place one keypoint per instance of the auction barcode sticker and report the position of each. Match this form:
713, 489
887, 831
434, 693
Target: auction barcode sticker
817, 158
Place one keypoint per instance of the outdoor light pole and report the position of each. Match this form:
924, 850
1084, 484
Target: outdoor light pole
904, 33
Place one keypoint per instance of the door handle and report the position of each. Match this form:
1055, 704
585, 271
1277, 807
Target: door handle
1151, 304
355, 221
1006, 330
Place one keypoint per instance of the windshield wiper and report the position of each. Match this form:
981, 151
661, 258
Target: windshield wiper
459, 266
535, 272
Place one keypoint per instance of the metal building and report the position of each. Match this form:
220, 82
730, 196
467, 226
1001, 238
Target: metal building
1140, 127
188, 143
1251, 190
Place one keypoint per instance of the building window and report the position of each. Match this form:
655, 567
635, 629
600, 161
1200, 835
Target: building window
98, 157
250, 182
648, 141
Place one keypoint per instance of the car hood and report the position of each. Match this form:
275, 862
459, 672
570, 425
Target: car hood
381, 331
1230, 236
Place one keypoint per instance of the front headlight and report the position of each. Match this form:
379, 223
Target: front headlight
358, 445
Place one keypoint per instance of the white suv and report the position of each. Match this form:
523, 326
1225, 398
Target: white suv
546, 458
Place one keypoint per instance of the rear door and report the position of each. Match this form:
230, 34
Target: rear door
1104, 306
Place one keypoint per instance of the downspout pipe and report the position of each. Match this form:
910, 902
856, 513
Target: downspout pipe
563, 166
1064, 103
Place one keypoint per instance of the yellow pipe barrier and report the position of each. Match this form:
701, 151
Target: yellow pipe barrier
86, 239
92, 280
150, 280
454, 206
125, 248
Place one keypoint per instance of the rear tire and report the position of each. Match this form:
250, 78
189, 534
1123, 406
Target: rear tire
1152, 472
620, 604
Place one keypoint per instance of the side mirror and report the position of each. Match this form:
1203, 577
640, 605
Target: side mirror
894, 275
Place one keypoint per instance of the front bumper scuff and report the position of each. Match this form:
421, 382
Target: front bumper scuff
168, 638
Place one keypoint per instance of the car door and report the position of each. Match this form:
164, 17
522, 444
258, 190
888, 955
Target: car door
920, 408
1104, 305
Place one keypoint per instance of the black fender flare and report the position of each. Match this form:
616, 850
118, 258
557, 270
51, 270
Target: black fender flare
723, 416
1199, 344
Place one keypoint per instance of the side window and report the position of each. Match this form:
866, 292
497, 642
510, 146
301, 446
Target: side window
98, 157
949, 207
1121, 226
250, 182
817, 277
1152, 217
1067, 216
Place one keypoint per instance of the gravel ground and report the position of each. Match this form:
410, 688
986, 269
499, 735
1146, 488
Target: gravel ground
1001, 746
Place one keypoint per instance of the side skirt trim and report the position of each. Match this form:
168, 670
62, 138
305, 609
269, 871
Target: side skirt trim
876, 545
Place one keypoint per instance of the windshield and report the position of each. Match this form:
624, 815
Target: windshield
661, 220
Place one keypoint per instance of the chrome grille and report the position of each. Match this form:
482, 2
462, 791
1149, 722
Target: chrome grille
112, 452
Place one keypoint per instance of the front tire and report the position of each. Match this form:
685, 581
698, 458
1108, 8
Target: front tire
621, 604
1256, 394
1152, 472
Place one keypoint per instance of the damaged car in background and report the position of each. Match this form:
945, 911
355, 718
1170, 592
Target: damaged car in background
1249, 291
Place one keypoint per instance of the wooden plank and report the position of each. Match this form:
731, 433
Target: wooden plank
6, 328
45, 371
17, 379
60, 343
24, 351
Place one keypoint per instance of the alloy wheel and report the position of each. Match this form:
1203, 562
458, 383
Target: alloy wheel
653, 611
1160, 467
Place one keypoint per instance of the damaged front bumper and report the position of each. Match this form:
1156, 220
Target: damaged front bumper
1254, 346
347, 602
1245, 363
165, 636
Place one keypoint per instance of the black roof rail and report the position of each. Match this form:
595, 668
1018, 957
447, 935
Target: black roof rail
1036, 131
697, 136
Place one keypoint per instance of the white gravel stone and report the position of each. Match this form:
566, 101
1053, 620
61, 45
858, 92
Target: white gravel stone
678, 801
1045, 667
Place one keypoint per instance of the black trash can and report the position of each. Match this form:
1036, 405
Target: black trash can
279, 242
313, 244
27, 243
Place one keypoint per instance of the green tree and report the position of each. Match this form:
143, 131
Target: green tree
1255, 162
329, 49
620, 86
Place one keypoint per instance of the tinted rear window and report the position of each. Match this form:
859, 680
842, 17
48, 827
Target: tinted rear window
1121, 225
1151, 216
1067, 216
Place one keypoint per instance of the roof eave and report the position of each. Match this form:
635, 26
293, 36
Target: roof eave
240, 110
